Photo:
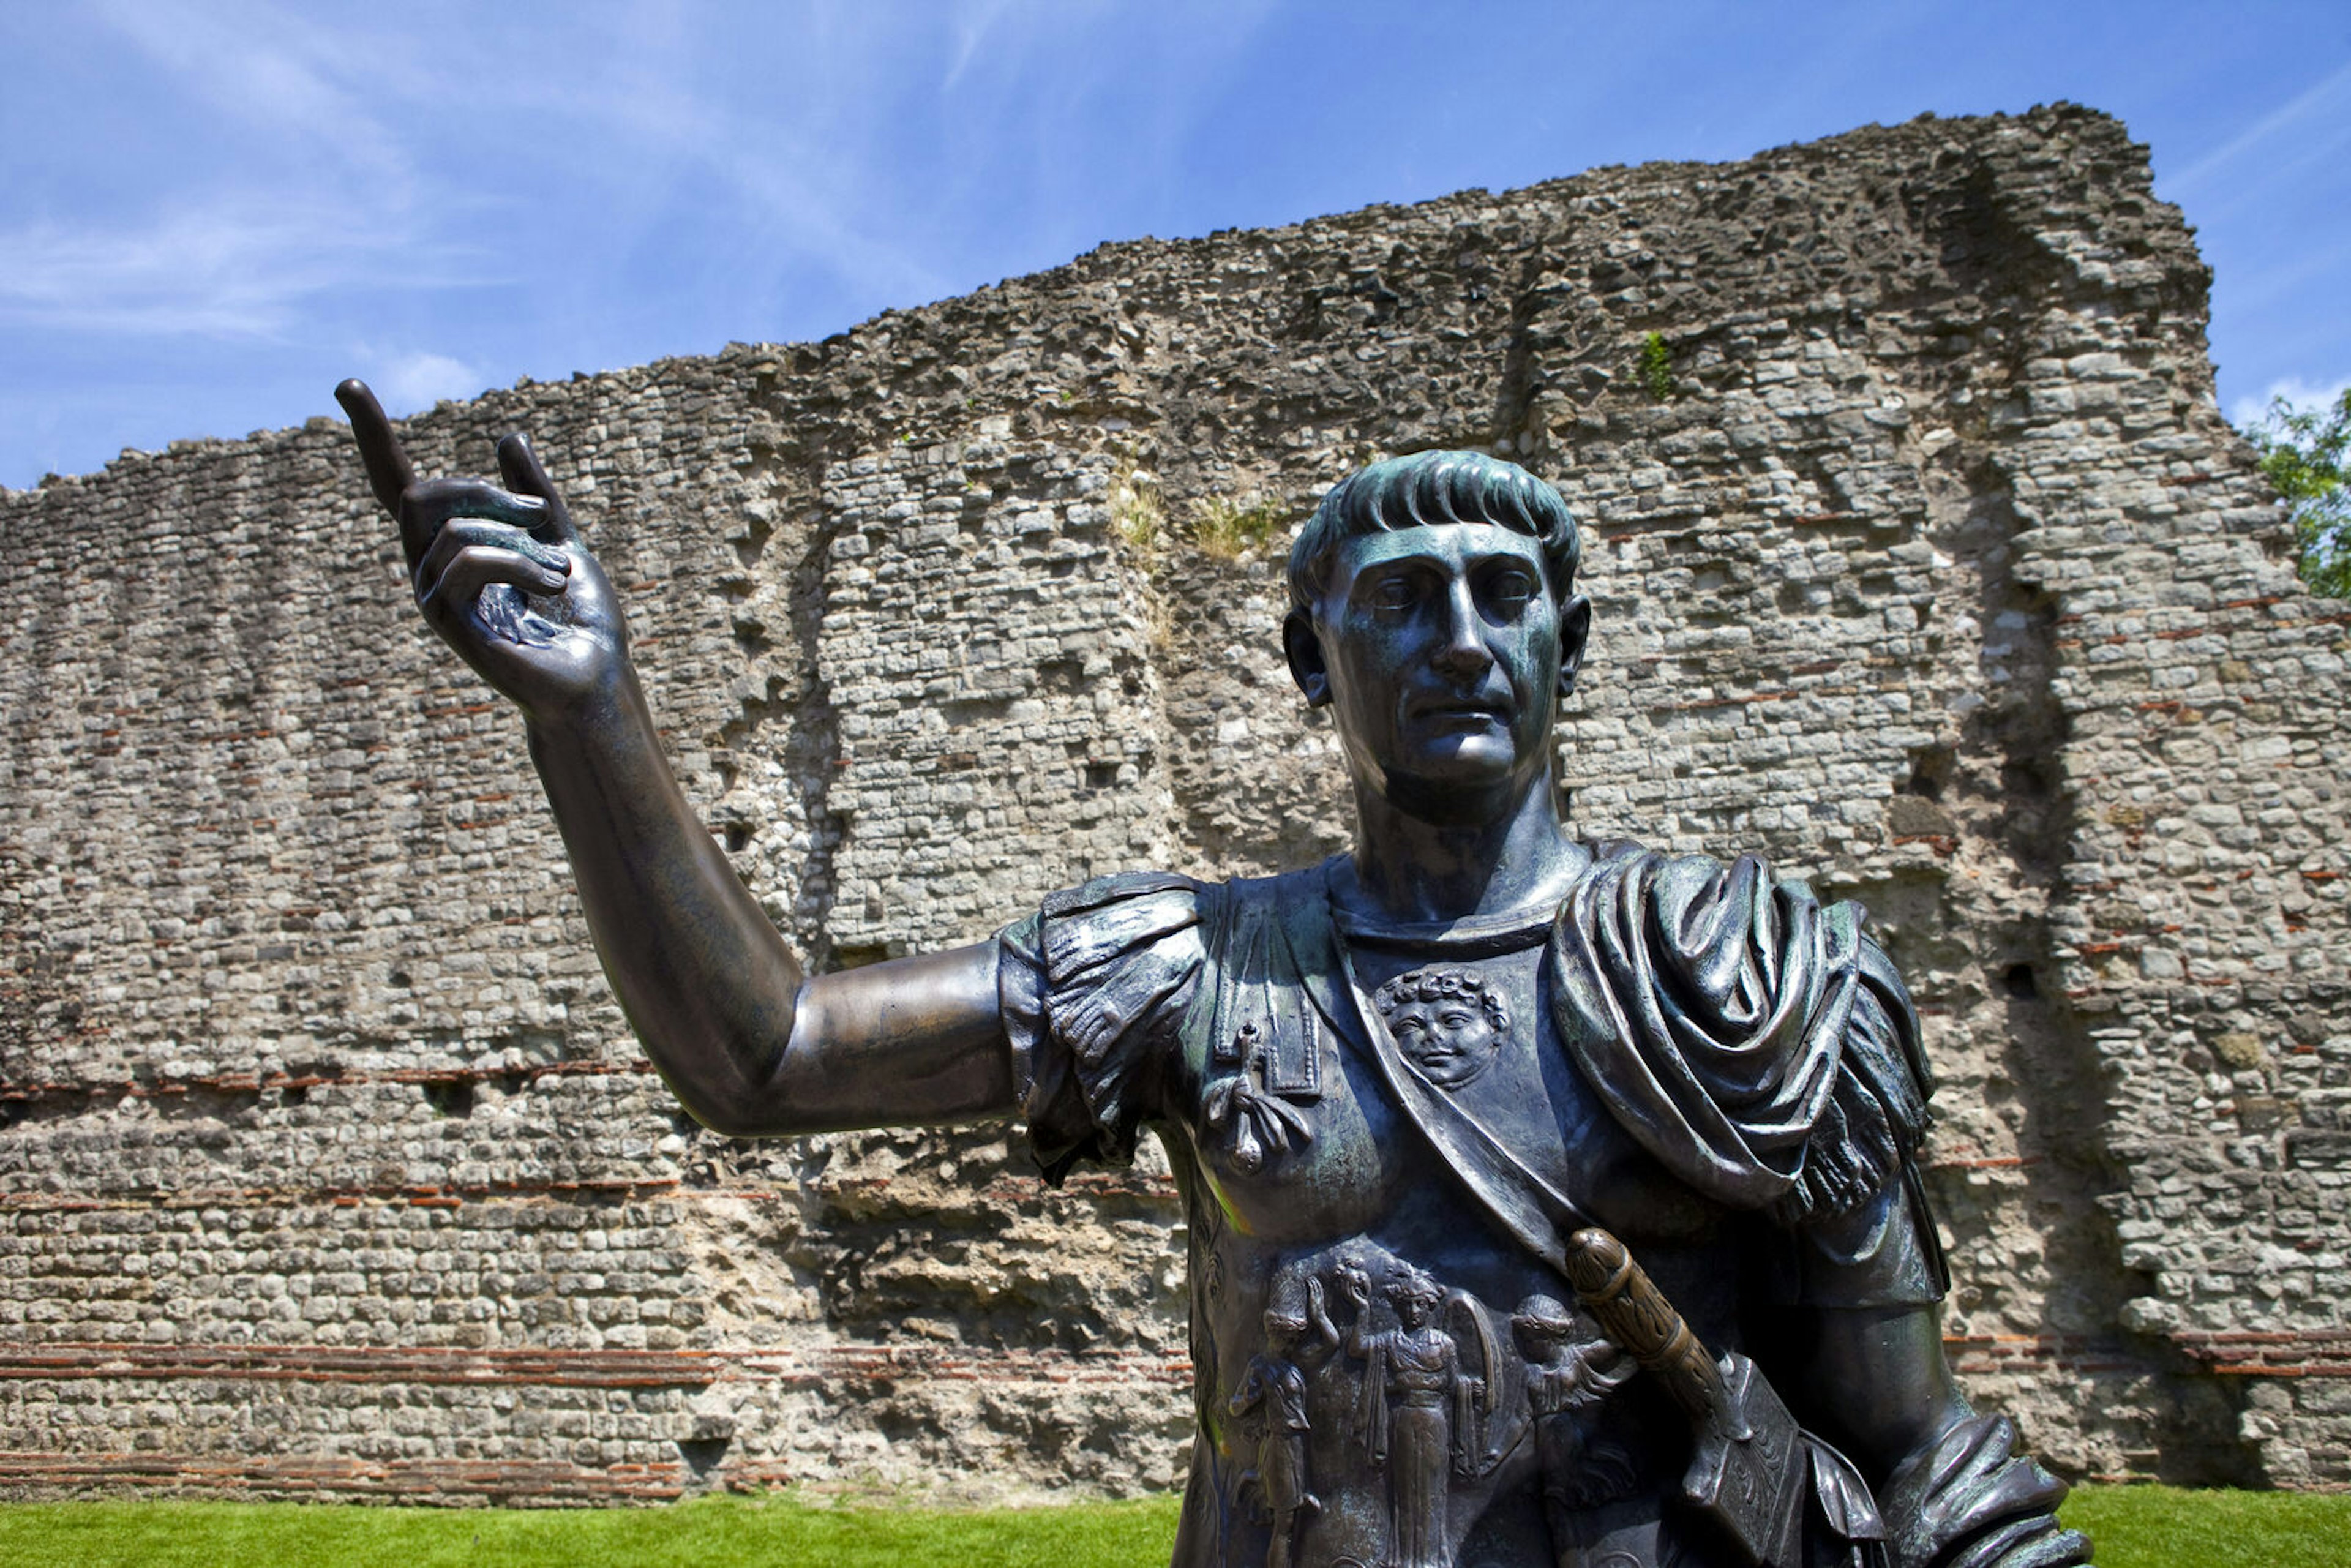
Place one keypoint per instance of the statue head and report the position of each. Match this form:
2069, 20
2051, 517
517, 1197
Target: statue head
1447, 1021
1284, 1331
1415, 1296
1432, 490
1544, 1324
1291, 1303
1433, 609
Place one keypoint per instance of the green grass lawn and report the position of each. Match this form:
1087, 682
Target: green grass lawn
709, 1533
2169, 1527
2136, 1526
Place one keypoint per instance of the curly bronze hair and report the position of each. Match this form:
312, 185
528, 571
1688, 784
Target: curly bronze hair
1409, 1282
1434, 985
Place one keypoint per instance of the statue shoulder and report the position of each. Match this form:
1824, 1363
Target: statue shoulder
1790, 1077
1696, 903
1682, 879
1094, 987
1110, 919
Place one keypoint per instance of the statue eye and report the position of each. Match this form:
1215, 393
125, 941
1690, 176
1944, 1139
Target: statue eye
1396, 592
1457, 1019
1510, 590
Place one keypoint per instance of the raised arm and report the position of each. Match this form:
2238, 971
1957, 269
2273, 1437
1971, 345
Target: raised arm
719, 1002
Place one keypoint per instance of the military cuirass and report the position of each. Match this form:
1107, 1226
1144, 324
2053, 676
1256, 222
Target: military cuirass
1380, 1133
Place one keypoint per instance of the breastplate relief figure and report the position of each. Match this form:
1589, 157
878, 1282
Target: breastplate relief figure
1273, 1393
1572, 1368
1476, 1037
1414, 1408
1446, 1022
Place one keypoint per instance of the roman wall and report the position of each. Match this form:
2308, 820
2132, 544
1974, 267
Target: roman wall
1923, 561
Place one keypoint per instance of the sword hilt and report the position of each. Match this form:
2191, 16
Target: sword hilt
1634, 1314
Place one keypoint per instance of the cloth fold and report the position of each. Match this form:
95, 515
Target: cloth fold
1093, 992
1713, 1009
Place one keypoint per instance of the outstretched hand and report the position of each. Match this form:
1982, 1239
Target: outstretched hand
500, 574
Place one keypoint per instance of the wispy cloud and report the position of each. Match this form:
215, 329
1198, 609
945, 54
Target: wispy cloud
418, 381
2296, 393
313, 191
2317, 104
2283, 274
971, 28
797, 190
798, 168
240, 264
314, 90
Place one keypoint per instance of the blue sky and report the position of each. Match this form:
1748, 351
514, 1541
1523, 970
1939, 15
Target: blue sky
210, 212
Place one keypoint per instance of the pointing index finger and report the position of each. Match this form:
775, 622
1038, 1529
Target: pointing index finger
388, 469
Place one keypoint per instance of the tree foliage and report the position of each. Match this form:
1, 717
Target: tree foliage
2302, 451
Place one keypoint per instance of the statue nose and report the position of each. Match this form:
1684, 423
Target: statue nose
1463, 659
1464, 651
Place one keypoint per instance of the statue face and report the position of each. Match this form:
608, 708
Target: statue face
1450, 1039
1412, 1309
1541, 1339
1440, 653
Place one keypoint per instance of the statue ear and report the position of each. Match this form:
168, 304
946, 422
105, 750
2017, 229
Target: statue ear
1307, 667
1575, 630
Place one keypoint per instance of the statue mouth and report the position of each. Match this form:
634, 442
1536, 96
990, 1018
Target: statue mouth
1456, 710
1450, 1066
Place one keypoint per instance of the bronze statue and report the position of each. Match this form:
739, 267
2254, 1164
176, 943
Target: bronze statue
1573, 1040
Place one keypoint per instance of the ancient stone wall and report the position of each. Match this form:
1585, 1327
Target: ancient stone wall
330, 1168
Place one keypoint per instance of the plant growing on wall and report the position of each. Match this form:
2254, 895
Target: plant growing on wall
1136, 508
2303, 452
1656, 368
1227, 529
